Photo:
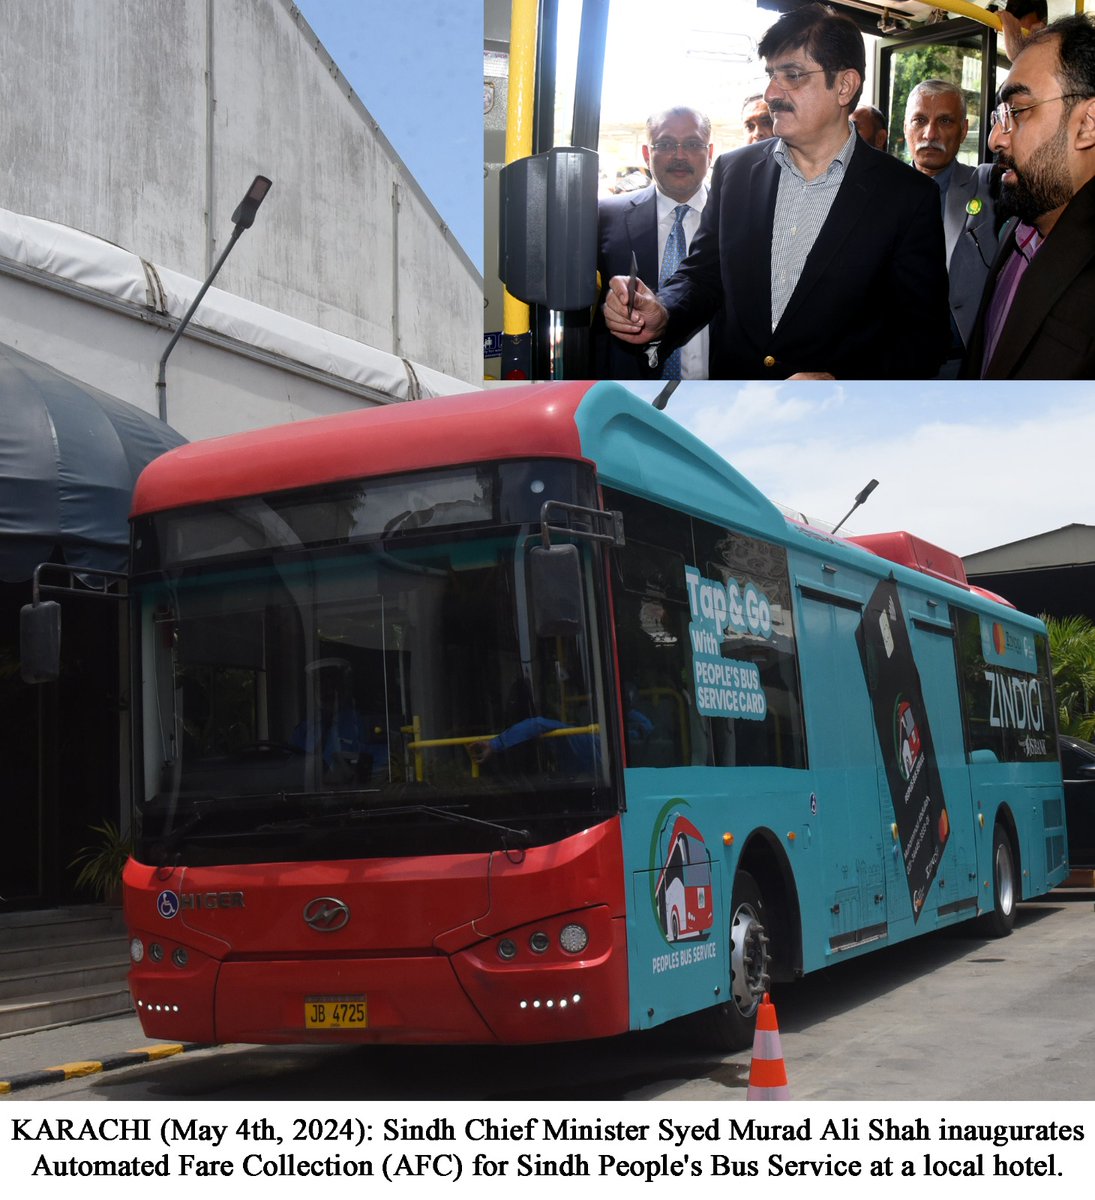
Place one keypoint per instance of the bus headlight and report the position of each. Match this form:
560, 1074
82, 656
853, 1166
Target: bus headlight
136, 950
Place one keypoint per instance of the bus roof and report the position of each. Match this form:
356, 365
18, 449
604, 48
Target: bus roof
477, 426
635, 447
915, 552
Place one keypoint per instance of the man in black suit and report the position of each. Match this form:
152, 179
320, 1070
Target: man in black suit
823, 253
678, 151
1037, 317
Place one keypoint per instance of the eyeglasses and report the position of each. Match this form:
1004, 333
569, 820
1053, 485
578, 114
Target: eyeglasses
666, 146
1002, 114
789, 78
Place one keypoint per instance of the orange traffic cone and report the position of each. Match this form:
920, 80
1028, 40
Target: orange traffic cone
767, 1073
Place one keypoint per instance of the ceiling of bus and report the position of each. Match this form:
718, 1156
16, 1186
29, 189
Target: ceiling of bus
877, 19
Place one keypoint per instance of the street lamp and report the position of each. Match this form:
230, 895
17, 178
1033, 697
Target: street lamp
243, 218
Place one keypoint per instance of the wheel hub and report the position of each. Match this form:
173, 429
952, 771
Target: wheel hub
748, 960
1005, 882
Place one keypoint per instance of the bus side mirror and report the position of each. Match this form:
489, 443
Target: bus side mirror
548, 235
40, 641
556, 579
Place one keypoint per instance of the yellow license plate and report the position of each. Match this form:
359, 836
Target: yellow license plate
336, 1012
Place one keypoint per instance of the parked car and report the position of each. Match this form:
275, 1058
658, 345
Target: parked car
1078, 766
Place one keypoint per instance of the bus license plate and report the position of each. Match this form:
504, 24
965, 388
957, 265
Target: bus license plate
336, 1012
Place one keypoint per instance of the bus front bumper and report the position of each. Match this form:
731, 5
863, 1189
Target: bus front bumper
471, 996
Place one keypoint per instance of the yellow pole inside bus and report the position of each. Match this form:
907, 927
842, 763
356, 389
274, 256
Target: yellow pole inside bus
520, 114
962, 8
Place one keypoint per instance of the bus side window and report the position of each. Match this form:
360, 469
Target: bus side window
652, 640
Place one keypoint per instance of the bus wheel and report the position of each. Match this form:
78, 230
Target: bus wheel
1005, 888
729, 1026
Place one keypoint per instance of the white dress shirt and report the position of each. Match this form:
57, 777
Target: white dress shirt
694, 354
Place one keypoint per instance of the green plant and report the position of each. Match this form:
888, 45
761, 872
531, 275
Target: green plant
1072, 653
101, 863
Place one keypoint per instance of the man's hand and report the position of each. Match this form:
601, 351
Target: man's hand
479, 752
648, 318
1015, 37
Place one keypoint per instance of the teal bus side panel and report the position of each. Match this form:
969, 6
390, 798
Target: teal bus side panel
956, 891
673, 975
1034, 796
640, 449
670, 975
862, 887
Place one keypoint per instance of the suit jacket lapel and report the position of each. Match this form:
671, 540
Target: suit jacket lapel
749, 275
1065, 253
963, 187
641, 221
975, 351
852, 198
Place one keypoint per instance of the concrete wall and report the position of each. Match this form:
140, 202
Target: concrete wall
144, 121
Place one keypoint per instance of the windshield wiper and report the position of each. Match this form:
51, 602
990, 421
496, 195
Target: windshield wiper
523, 836
175, 837
450, 814
201, 809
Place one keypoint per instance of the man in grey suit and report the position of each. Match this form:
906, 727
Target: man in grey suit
935, 127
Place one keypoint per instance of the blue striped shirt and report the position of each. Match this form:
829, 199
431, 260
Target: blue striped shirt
801, 208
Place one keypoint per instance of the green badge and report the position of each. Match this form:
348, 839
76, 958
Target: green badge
974, 207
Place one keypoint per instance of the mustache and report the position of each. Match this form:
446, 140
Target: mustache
777, 106
679, 164
1004, 161
931, 146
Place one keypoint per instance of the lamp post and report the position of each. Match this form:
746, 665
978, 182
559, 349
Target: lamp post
243, 218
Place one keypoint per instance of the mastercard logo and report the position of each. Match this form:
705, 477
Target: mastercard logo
999, 639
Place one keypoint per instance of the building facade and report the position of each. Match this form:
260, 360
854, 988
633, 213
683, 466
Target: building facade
132, 130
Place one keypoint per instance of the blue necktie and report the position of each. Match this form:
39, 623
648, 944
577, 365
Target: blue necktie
675, 250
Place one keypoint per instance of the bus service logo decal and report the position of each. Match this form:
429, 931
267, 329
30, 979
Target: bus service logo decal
167, 905
682, 890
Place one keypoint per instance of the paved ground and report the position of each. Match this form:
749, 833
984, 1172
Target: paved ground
947, 1016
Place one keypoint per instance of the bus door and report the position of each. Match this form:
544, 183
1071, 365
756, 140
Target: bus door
954, 896
845, 764
962, 52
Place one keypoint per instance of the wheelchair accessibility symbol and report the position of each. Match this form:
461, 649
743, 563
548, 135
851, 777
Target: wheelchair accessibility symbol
167, 904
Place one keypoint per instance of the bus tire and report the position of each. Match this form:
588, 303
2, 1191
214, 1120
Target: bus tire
1005, 887
729, 1027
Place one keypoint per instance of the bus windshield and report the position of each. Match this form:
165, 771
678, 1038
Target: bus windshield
384, 693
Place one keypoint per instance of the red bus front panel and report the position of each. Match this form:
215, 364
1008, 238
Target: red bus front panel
450, 948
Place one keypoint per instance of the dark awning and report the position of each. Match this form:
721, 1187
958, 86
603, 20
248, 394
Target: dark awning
69, 457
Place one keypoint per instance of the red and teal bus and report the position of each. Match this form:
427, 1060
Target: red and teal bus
521, 716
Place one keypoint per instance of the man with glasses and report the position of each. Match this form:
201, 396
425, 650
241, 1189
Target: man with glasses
1037, 317
658, 224
821, 252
